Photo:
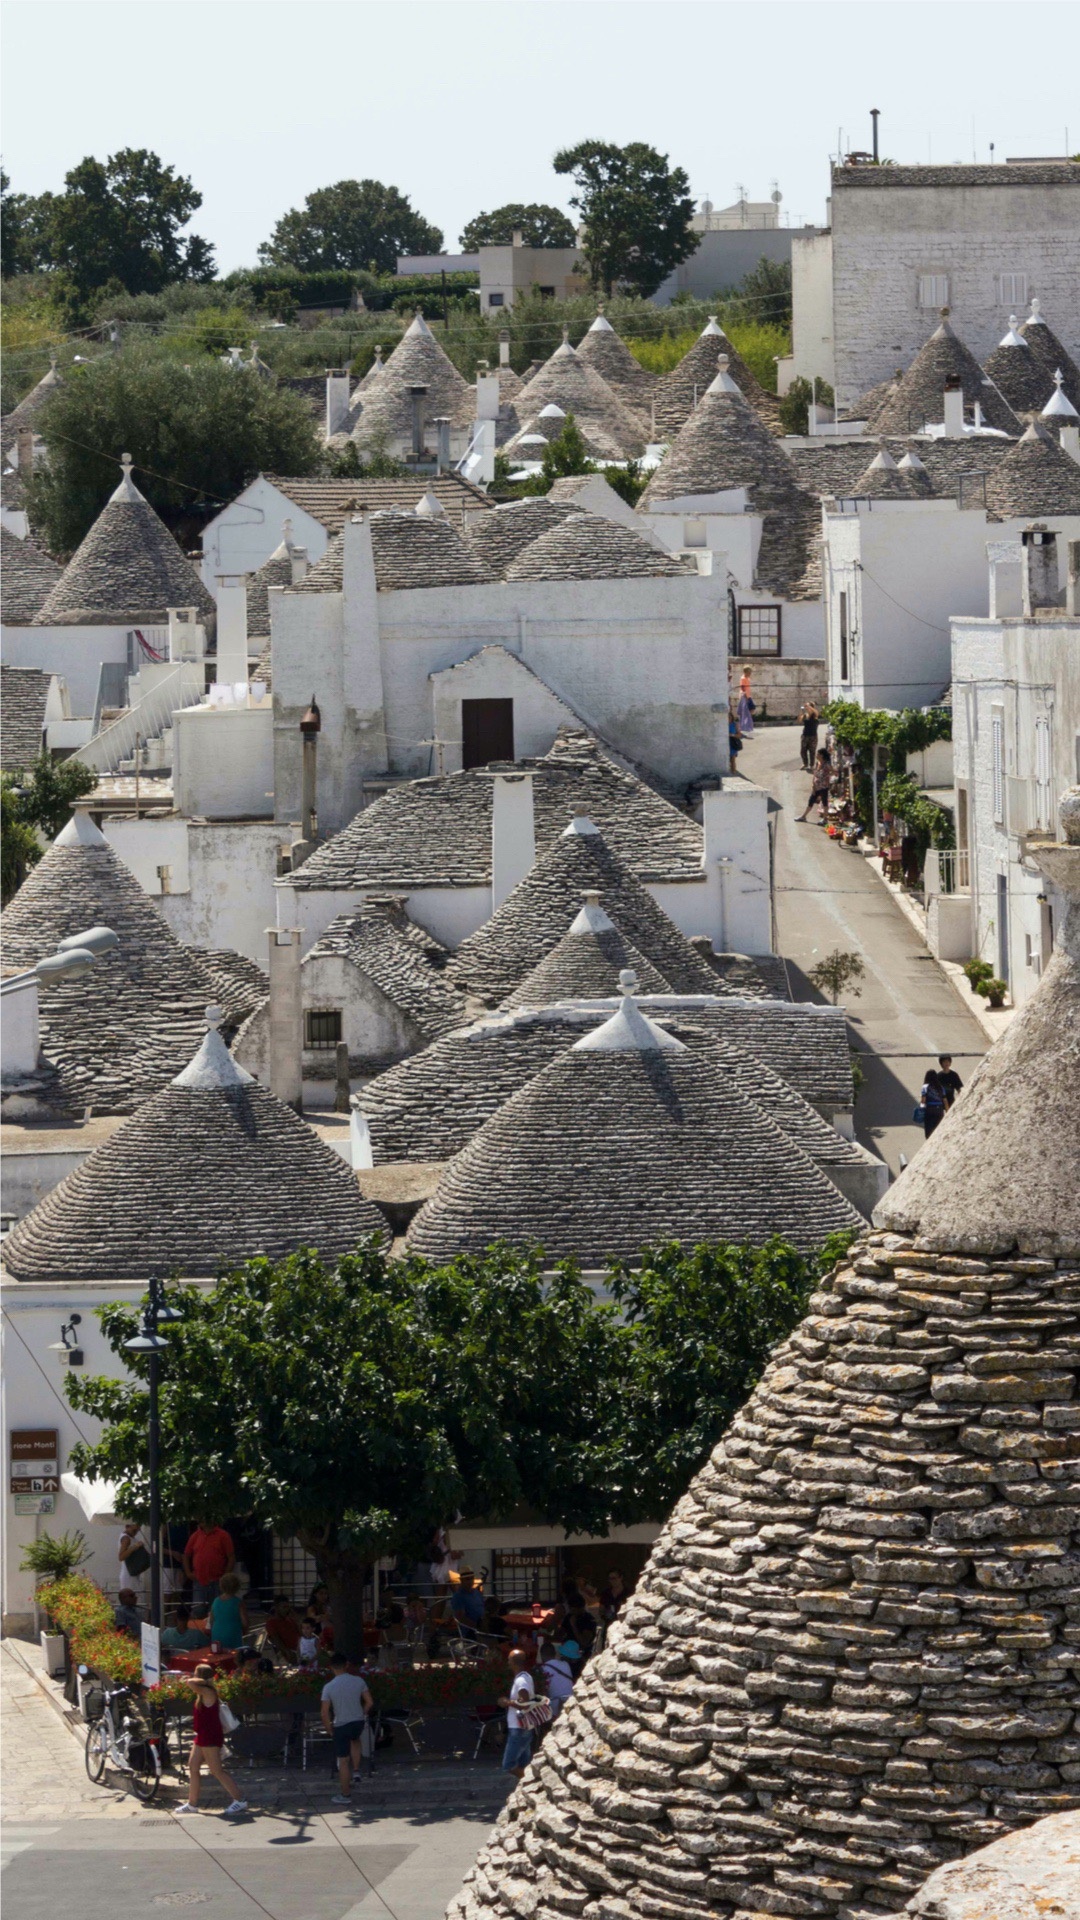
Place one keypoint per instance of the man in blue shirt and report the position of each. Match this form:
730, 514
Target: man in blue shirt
467, 1604
184, 1637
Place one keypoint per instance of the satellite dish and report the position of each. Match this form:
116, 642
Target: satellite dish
776, 196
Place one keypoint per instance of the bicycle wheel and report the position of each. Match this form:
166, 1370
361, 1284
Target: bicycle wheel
144, 1760
97, 1749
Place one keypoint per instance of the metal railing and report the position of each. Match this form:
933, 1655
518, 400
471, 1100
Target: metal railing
149, 718
947, 870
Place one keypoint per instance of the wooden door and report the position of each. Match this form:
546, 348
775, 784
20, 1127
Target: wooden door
487, 731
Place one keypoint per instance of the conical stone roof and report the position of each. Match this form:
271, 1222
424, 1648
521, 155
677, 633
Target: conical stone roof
604, 350
540, 909
120, 1030
29, 407
626, 1140
723, 445
497, 538
587, 546
417, 361
211, 1171
586, 964
1018, 373
1036, 476
128, 569
275, 572
681, 390
538, 430
1047, 349
27, 577
569, 382
886, 479
850, 1656
918, 399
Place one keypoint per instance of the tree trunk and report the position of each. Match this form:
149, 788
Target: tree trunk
344, 1575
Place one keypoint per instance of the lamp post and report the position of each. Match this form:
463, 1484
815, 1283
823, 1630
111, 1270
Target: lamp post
74, 955
150, 1341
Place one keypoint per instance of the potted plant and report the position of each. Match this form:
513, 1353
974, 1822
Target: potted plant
976, 971
995, 991
52, 1557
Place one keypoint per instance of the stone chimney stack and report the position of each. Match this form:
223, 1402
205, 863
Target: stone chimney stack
513, 833
504, 346
24, 458
1040, 570
337, 399
286, 1017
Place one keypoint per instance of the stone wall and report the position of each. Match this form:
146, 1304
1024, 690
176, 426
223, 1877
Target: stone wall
852, 1655
781, 686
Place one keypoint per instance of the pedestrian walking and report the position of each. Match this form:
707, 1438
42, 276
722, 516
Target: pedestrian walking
559, 1675
733, 734
133, 1556
951, 1083
808, 739
932, 1101
209, 1553
519, 1741
820, 784
208, 1726
746, 711
343, 1708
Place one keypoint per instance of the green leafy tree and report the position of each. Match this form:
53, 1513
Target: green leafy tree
34, 806
355, 223
698, 1326
539, 226
837, 974
24, 221
764, 293
119, 222
198, 433
636, 211
356, 1406
353, 1407
795, 403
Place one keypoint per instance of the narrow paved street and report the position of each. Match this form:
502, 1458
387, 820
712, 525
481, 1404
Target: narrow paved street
69, 1848
826, 897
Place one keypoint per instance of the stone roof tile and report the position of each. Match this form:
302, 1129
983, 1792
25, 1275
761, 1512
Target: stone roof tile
918, 400
23, 695
627, 1139
437, 832
210, 1172
27, 577
586, 964
586, 546
1036, 476
404, 961
603, 349
128, 569
417, 360
679, 391
328, 501
567, 381
497, 538
1048, 351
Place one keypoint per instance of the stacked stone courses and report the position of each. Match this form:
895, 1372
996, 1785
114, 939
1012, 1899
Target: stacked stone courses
27, 577
127, 569
853, 1653
679, 391
497, 538
567, 381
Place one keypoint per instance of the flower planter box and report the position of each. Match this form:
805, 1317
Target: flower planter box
54, 1653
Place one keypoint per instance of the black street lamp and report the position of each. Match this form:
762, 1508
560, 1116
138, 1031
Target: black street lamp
156, 1313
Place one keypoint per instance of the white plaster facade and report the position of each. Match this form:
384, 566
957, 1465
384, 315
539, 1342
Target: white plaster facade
895, 572
218, 890
726, 526
643, 662
377, 1032
76, 654
1016, 744
251, 528
812, 354
513, 273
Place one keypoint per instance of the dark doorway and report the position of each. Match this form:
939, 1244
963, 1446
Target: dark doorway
487, 731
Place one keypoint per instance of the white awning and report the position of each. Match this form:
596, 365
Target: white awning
97, 1498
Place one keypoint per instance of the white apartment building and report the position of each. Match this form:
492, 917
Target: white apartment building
1016, 745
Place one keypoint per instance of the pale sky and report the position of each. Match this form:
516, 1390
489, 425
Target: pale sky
461, 103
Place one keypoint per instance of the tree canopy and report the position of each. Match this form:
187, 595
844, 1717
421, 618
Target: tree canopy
636, 211
355, 223
539, 226
197, 434
118, 222
357, 1406
34, 806
764, 294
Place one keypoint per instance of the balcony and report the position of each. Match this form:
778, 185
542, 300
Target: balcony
946, 870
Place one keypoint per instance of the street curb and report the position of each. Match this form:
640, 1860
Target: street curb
993, 1026
49, 1688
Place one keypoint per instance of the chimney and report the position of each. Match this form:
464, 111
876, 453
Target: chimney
1069, 438
310, 727
337, 399
1072, 591
513, 834
442, 443
187, 640
1040, 570
874, 115
504, 346
24, 459
232, 648
954, 407
286, 1017
419, 394
517, 238
487, 395
1006, 559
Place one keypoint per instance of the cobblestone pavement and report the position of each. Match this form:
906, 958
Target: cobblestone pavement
43, 1776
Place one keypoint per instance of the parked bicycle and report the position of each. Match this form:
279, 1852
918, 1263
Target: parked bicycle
121, 1738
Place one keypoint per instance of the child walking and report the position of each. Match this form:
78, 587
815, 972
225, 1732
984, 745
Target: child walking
209, 1740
